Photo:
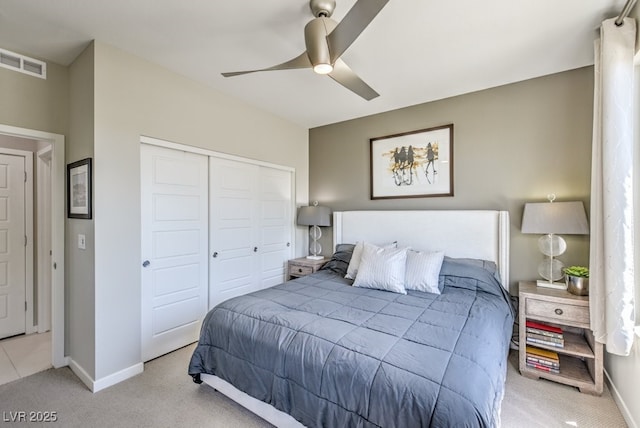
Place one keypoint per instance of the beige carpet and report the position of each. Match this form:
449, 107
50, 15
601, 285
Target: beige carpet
542, 403
164, 396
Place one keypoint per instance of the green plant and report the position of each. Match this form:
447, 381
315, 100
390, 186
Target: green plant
580, 271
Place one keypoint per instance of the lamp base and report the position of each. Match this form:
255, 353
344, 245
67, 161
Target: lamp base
549, 284
315, 257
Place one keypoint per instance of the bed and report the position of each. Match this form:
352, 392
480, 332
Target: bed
318, 351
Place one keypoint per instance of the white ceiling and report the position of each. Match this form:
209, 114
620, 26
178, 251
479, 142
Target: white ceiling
413, 52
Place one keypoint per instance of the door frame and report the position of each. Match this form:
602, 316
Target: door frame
43, 212
57, 142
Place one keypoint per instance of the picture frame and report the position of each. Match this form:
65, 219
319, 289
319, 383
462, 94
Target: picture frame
415, 164
79, 182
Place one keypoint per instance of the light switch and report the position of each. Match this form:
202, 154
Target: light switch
82, 243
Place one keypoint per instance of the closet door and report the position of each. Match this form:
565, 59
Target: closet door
274, 228
250, 229
174, 248
233, 243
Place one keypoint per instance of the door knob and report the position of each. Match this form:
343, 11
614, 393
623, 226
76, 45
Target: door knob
215, 254
146, 263
288, 244
255, 249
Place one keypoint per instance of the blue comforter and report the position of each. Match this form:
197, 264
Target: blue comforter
332, 355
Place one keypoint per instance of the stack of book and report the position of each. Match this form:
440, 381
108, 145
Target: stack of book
544, 334
542, 359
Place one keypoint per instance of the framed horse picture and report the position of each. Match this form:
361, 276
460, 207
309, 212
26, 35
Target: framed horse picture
416, 164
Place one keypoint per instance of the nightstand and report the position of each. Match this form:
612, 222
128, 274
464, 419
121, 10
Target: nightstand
581, 357
303, 266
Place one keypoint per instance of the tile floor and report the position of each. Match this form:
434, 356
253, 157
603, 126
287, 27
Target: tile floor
24, 355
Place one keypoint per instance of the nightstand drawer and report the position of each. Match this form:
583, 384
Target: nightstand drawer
558, 311
298, 270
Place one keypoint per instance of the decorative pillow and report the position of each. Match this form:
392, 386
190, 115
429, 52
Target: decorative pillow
423, 270
340, 259
354, 263
382, 268
451, 267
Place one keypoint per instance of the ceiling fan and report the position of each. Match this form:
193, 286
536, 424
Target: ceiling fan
326, 40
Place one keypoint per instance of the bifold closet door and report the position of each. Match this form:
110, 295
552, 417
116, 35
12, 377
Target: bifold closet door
174, 204
250, 227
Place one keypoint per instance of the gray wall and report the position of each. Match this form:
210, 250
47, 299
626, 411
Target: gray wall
80, 272
512, 144
34, 103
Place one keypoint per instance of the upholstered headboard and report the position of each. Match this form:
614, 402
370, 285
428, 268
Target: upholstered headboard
479, 234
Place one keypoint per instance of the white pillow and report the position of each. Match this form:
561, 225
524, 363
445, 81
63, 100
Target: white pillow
423, 270
356, 256
382, 268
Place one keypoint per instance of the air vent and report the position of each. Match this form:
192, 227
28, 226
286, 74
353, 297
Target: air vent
23, 64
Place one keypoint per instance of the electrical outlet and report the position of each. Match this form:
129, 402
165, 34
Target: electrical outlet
82, 243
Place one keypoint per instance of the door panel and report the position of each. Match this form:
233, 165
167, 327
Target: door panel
232, 240
12, 246
274, 225
174, 188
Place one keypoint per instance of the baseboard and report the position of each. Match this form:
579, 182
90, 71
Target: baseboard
63, 362
107, 381
117, 377
620, 402
81, 373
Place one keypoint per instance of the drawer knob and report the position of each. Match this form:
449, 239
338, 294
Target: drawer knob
559, 311
299, 270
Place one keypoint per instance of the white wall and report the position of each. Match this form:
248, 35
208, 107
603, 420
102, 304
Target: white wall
132, 98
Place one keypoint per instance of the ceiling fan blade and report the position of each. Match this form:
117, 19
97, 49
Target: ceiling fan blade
354, 23
346, 77
301, 61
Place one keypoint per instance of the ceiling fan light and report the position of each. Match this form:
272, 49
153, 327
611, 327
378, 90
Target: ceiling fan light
323, 68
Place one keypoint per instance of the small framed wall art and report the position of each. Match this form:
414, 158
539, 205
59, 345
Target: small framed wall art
416, 164
79, 189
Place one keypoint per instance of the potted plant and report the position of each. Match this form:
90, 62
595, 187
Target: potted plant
577, 278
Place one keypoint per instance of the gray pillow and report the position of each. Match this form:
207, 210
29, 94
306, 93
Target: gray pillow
339, 261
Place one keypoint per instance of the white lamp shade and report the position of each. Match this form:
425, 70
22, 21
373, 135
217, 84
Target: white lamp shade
314, 216
566, 218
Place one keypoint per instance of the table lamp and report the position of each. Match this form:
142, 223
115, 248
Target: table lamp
314, 216
550, 219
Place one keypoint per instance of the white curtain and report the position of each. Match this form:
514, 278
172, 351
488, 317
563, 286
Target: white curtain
611, 259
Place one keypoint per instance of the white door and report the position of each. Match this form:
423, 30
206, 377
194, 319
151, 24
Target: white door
274, 215
233, 240
250, 229
12, 246
174, 248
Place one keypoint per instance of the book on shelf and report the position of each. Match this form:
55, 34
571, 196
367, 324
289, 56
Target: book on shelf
543, 368
544, 362
545, 333
546, 338
533, 341
543, 353
543, 328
